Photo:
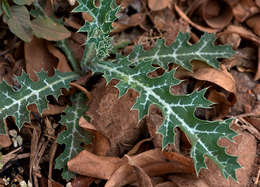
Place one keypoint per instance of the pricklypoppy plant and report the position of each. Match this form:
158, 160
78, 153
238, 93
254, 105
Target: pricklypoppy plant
132, 72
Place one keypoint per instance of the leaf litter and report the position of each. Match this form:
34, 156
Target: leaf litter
123, 152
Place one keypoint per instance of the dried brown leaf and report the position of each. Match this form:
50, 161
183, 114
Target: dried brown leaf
153, 162
156, 5
222, 106
89, 164
199, 27
100, 144
202, 71
244, 9
143, 179
253, 23
82, 181
221, 18
62, 65
244, 33
5, 141
37, 57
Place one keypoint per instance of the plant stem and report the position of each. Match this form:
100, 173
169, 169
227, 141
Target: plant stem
89, 54
63, 45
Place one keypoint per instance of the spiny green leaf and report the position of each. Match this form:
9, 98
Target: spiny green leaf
178, 111
182, 53
73, 136
101, 25
15, 102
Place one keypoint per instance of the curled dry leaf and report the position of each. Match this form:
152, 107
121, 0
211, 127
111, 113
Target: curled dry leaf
139, 147
202, 71
143, 179
100, 144
62, 65
156, 5
81, 88
222, 106
232, 39
119, 172
89, 164
244, 9
217, 14
253, 23
199, 27
51, 110
72, 22
153, 163
244, 33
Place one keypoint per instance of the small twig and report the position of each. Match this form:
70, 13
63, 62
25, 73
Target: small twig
257, 177
52, 155
246, 125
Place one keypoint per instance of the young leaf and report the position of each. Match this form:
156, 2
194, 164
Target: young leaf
99, 28
15, 102
73, 136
